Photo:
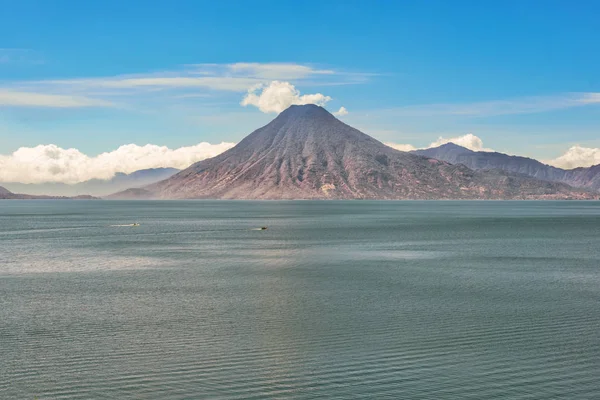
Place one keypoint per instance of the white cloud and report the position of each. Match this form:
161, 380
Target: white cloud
341, 112
589, 98
50, 163
469, 141
401, 147
277, 71
28, 99
277, 96
577, 156
233, 84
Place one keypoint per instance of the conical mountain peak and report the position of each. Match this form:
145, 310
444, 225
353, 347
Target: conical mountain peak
301, 128
304, 112
451, 145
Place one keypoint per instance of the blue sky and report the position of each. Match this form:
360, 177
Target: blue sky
522, 76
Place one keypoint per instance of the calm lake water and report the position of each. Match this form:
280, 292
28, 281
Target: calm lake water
336, 300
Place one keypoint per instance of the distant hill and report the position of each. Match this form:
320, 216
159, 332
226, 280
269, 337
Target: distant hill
95, 187
588, 178
131, 194
306, 153
6, 194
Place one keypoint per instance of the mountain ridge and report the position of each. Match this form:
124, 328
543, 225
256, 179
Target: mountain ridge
95, 187
6, 194
586, 178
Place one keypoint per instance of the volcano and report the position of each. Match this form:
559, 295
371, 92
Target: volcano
307, 153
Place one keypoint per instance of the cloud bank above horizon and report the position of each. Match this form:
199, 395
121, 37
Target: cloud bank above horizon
577, 156
51, 163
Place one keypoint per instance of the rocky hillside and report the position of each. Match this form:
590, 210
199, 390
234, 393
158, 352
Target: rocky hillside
588, 178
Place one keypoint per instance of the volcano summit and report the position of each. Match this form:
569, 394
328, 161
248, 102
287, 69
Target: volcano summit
307, 153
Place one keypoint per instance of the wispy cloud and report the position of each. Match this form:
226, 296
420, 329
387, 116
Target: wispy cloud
287, 71
190, 81
234, 84
590, 98
524, 105
29, 99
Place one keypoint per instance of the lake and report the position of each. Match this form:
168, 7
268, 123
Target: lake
335, 300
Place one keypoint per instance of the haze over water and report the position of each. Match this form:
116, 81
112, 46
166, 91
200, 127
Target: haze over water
336, 300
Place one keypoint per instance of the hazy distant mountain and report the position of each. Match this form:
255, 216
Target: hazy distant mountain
131, 194
6, 194
95, 187
588, 178
306, 153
